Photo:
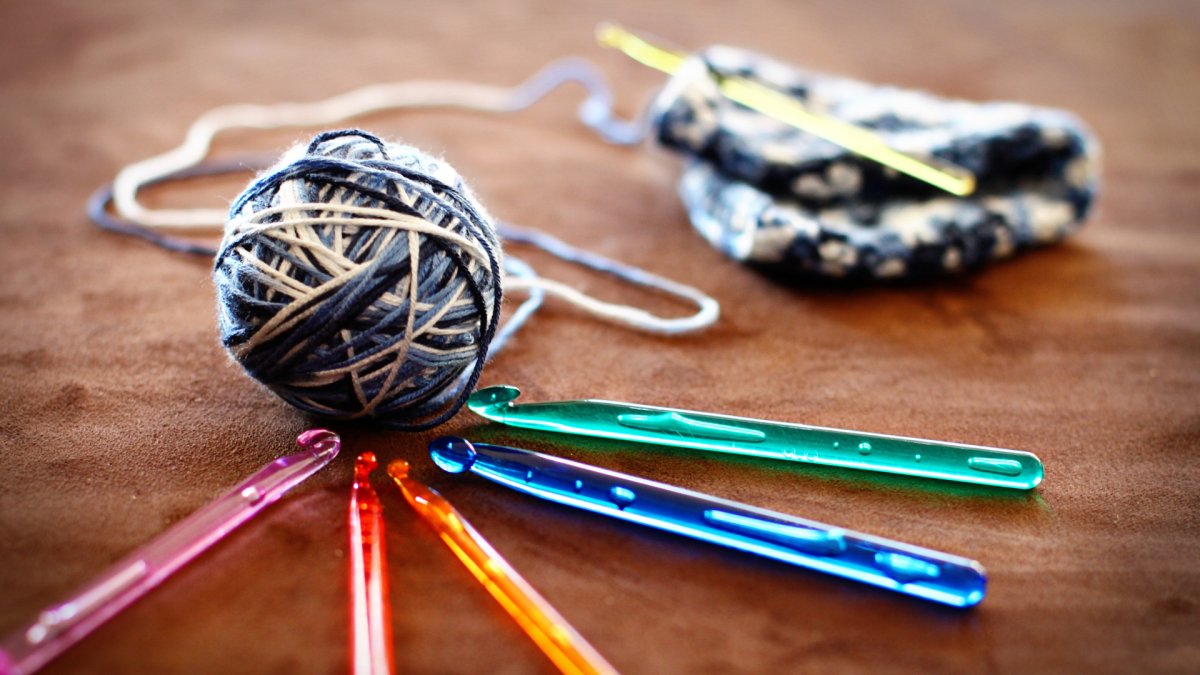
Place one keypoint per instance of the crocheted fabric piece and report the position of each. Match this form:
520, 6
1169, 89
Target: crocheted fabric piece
767, 193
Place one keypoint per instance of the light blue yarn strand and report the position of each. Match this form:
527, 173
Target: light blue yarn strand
596, 111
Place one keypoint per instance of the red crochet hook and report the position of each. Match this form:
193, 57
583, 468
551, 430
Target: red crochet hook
370, 604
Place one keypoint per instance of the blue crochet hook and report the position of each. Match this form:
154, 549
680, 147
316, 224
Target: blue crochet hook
762, 438
912, 570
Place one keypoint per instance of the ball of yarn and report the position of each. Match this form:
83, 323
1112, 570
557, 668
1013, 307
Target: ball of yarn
360, 279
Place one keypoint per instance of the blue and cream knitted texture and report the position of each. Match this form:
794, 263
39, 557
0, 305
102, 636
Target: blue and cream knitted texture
768, 194
360, 279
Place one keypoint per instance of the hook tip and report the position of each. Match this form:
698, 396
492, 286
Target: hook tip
452, 454
365, 463
398, 469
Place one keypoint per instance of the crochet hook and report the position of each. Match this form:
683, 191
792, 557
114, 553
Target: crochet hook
951, 178
549, 630
58, 627
370, 604
912, 570
762, 438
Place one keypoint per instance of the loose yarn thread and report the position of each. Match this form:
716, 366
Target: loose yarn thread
360, 279
596, 112
311, 389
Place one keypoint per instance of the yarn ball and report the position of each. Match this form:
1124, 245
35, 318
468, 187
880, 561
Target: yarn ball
360, 279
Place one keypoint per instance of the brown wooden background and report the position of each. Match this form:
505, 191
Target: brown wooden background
120, 414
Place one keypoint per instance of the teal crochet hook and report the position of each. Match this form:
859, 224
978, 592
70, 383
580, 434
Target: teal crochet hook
761, 438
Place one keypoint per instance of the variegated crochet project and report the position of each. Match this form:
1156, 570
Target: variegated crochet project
771, 195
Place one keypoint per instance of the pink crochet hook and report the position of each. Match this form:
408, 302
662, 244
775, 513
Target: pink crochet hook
58, 627
370, 604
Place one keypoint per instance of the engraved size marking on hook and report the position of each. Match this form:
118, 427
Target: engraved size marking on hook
57, 619
1005, 467
905, 568
807, 539
675, 423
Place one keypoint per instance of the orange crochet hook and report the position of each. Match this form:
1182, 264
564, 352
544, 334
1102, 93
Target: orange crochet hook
370, 606
565, 647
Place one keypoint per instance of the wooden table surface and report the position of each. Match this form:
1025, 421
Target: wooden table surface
121, 413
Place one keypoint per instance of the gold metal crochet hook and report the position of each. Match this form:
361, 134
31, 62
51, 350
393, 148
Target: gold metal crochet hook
953, 179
